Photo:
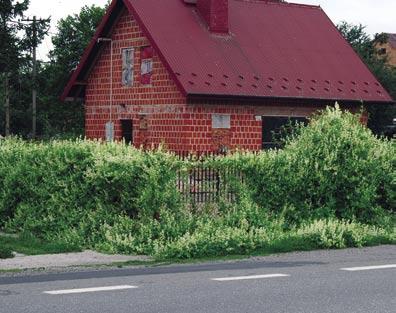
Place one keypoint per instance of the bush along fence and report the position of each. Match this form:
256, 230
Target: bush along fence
331, 186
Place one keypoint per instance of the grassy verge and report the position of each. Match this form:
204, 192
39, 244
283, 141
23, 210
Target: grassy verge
209, 241
32, 246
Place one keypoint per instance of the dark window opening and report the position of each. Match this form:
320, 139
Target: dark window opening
382, 51
127, 131
275, 128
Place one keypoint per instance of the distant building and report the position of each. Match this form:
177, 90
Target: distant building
389, 49
214, 75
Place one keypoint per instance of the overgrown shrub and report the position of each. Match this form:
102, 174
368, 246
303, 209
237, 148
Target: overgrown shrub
6, 253
334, 168
332, 179
54, 187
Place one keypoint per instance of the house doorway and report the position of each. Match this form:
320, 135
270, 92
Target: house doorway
127, 131
272, 129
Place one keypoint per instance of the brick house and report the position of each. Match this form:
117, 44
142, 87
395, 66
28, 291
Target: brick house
388, 49
210, 75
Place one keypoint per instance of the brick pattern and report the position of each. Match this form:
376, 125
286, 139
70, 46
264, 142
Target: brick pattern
160, 113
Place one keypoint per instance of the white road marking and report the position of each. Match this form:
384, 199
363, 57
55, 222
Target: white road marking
367, 268
250, 277
84, 290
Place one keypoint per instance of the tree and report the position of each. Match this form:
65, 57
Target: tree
74, 33
365, 46
17, 39
9, 53
9, 27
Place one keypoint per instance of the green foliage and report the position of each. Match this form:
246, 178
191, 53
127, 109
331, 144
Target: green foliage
74, 189
212, 240
29, 245
74, 32
5, 253
73, 36
366, 47
334, 168
332, 186
54, 118
17, 41
336, 234
10, 42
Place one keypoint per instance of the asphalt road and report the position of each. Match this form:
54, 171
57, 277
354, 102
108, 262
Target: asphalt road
353, 280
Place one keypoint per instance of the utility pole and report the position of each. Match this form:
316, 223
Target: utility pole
34, 93
7, 105
34, 74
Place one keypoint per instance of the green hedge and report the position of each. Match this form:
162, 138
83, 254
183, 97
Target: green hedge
334, 168
50, 188
115, 198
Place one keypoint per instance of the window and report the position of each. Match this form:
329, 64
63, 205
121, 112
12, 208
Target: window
128, 58
146, 67
273, 129
222, 121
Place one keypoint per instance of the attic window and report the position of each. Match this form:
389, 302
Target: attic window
128, 60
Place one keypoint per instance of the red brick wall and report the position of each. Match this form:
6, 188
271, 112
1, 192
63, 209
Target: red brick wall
172, 122
179, 125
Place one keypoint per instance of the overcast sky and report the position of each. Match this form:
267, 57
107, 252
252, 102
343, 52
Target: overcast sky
377, 15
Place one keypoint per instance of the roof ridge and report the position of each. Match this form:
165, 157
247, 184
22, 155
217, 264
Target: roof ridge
312, 6
284, 3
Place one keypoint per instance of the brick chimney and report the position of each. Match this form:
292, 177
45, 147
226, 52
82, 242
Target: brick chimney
215, 13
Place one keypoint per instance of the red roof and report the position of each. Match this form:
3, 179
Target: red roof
276, 50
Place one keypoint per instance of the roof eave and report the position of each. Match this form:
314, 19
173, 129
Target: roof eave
249, 98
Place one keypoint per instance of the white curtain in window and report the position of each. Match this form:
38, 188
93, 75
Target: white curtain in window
127, 66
